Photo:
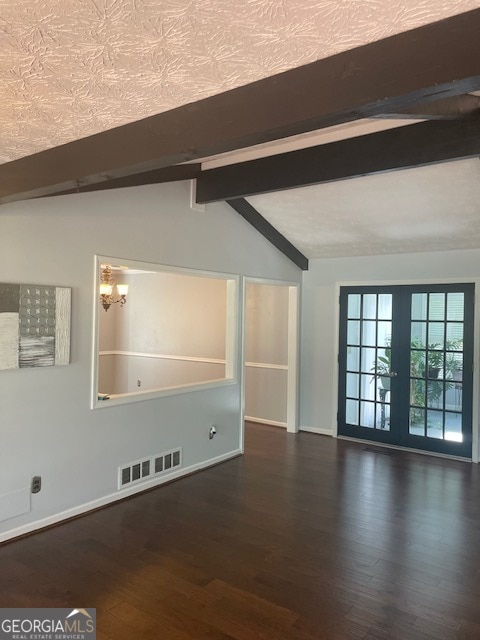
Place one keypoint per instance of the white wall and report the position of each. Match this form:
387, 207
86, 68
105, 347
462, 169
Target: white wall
119, 373
183, 315
46, 425
266, 346
318, 377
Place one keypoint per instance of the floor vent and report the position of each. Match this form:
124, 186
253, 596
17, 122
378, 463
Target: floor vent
384, 452
140, 470
166, 461
134, 472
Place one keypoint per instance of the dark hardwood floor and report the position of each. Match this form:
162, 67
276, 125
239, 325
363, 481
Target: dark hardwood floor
303, 538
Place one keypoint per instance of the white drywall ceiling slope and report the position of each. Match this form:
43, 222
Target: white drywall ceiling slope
426, 209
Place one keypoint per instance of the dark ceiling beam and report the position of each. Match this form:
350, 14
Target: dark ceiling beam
446, 109
269, 232
432, 62
401, 148
157, 176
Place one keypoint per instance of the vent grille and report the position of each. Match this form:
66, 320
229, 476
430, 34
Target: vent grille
140, 470
168, 460
134, 472
126, 475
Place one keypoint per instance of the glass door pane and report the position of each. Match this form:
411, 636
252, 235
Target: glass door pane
436, 365
367, 358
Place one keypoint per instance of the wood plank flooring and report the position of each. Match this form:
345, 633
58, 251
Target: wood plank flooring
303, 538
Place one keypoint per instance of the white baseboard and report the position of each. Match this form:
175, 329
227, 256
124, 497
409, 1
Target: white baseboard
273, 423
113, 497
322, 432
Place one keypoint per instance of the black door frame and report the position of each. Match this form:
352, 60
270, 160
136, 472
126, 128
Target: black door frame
398, 434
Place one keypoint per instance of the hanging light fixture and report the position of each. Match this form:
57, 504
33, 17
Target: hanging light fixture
106, 289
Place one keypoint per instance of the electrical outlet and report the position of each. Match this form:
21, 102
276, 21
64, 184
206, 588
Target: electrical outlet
139, 383
212, 432
36, 484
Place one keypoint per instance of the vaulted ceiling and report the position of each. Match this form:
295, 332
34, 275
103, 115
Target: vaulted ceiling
72, 69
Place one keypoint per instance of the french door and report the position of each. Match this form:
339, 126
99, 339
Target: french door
406, 366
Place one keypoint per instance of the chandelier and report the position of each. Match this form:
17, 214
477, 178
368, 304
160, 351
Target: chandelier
106, 289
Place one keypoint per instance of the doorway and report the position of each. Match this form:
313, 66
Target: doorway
271, 353
406, 366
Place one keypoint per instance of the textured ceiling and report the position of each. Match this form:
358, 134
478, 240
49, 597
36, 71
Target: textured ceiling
426, 209
71, 68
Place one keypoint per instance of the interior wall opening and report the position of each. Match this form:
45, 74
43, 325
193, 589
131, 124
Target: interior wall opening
271, 354
175, 330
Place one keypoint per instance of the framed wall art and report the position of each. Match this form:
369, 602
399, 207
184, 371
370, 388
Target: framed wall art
34, 325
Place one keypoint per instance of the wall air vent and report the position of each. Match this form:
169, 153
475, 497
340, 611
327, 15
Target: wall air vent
167, 461
134, 472
140, 470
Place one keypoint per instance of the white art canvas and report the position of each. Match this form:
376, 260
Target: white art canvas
34, 325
